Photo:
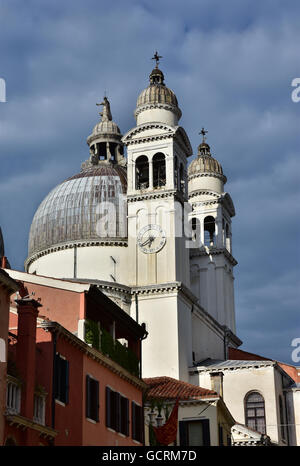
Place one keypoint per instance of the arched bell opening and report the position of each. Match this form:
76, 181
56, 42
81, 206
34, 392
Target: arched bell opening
142, 172
209, 231
181, 178
101, 150
196, 229
227, 238
159, 170
176, 173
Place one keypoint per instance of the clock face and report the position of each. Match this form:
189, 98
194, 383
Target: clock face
151, 239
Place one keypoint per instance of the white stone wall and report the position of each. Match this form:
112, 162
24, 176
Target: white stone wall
237, 383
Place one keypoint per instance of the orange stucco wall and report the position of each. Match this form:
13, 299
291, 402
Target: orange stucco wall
63, 306
71, 422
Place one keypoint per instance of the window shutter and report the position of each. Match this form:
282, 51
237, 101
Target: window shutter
56, 376
108, 406
133, 420
97, 402
118, 411
88, 397
140, 426
126, 417
66, 381
206, 433
183, 433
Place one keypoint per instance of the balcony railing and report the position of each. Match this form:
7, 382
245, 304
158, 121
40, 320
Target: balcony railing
102, 340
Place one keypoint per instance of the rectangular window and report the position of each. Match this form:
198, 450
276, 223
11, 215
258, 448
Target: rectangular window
137, 422
117, 412
92, 398
61, 379
194, 433
13, 397
124, 416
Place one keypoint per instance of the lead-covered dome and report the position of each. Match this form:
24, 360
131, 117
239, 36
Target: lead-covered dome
89, 207
205, 163
86, 207
157, 95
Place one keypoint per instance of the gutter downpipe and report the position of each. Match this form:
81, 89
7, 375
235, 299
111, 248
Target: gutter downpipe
53, 380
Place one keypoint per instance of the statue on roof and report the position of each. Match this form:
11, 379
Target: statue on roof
105, 114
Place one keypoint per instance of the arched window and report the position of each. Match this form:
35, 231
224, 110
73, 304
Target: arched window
159, 170
176, 173
227, 233
181, 180
142, 172
209, 231
255, 412
10, 442
195, 229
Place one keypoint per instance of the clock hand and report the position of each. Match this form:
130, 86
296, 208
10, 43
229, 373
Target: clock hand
151, 238
145, 242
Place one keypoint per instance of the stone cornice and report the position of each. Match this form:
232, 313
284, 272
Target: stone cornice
178, 133
123, 242
205, 174
205, 251
239, 365
163, 106
159, 194
25, 423
204, 192
7, 282
108, 286
104, 137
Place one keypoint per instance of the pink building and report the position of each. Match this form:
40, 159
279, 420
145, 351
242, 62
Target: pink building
66, 390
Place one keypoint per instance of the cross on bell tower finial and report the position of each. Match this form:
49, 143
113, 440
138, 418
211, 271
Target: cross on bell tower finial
203, 132
156, 57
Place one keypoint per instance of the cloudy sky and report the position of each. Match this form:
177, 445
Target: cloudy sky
230, 64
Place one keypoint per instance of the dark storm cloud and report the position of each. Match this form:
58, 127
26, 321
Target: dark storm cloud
231, 65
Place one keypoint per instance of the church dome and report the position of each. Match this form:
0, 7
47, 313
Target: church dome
106, 127
157, 95
72, 211
204, 162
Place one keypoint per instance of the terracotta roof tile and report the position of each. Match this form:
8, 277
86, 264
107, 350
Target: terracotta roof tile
169, 388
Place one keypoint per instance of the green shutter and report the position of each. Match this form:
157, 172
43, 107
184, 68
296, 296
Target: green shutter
183, 433
108, 406
66, 365
133, 420
206, 433
88, 397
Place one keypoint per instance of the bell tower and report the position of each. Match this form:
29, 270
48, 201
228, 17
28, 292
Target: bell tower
158, 261
211, 258
157, 152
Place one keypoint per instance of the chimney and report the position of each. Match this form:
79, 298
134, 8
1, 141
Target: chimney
26, 350
216, 379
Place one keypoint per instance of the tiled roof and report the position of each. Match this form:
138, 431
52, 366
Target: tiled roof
239, 354
169, 388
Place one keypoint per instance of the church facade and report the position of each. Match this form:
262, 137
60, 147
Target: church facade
154, 233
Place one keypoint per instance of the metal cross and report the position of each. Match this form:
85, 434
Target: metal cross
156, 57
203, 132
